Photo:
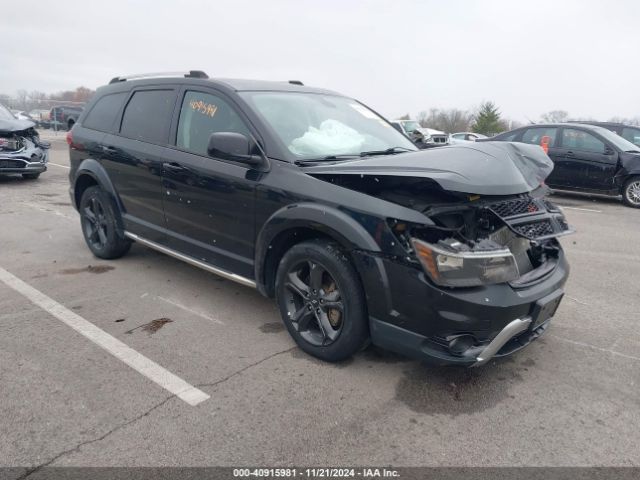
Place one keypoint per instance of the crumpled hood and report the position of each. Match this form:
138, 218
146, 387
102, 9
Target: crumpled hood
485, 168
9, 126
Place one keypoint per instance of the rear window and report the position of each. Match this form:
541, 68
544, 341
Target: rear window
103, 114
535, 135
147, 116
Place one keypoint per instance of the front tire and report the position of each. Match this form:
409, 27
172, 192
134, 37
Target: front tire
631, 192
99, 220
321, 300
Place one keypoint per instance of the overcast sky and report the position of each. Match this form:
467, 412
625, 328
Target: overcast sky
397, 56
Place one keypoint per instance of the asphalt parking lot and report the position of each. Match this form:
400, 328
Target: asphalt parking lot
571, 398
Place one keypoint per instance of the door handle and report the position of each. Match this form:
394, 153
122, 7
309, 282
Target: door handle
109, 149
569, 154
173, 167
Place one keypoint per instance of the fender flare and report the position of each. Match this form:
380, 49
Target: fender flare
321, 218
621, 178
94, 169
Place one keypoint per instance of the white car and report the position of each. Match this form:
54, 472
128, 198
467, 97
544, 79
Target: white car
428, 137
462, 137
20, 115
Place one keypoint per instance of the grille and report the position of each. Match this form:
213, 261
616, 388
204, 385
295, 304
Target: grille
563, 224
510, 208
11, 164
534, 230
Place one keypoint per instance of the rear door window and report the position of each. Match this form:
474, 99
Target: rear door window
201, 115
103, 114
534, 135
511, 137
573, 139
147, 116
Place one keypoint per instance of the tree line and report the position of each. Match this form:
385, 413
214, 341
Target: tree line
35, 99
487, 119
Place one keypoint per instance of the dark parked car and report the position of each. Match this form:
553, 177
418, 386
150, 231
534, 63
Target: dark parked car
21, 150
586, 158
628, 132
64, 117
450, 255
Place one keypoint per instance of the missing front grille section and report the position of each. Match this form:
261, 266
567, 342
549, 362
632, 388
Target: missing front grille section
510, 208
12, 164
535, 229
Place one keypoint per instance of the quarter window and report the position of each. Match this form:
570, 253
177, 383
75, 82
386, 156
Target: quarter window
103, 114
201, 115
147, 116
535, 135
581, 140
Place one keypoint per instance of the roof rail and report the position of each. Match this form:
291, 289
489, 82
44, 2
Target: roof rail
296, 82
189, 74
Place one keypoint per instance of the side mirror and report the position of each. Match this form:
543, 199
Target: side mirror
232, 146
608, 150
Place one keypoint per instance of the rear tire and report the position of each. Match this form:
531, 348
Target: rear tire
631, 192
99, 218
322, 301
30, 176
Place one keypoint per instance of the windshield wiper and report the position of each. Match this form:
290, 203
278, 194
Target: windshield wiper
346, 156
632, 151
388, 151
328, 158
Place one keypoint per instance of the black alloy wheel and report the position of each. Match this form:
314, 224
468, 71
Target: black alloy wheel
95, 224
314, 306
99, 221
322, 301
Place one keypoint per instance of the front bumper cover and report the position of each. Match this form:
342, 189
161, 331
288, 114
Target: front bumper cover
19, 163
423, 317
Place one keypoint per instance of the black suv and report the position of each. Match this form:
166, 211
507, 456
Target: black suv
450, 255
587, 158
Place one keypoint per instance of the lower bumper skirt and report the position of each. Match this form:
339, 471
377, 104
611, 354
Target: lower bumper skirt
514, 336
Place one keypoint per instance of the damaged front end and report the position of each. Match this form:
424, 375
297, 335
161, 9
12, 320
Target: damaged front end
490, 222
483, 274
21, 150
487, 241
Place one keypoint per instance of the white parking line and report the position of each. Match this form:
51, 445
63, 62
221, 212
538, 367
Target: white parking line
593, 347
115, 347
190, 310
58, 165
580, 209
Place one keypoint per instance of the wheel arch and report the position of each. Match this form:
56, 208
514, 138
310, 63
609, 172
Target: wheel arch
296, 223
90, 172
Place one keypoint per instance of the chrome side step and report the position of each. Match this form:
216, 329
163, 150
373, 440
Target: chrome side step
190, 260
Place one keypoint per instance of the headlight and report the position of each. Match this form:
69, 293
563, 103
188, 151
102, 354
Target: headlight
465, 269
